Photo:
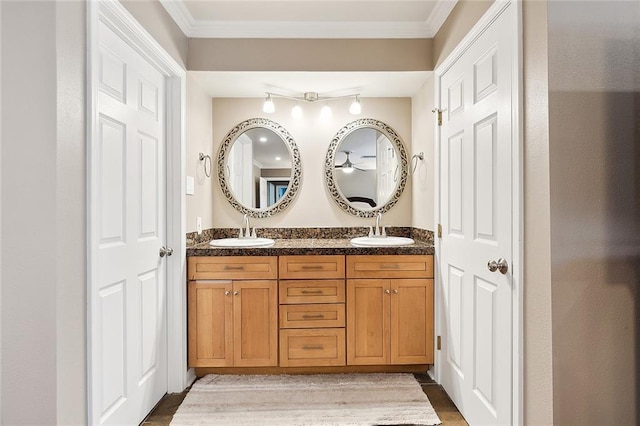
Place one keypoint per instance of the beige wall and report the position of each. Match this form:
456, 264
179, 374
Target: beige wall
199, 139
157, 21
538, 368
313, 207
310, 54
71, 178
423, 133
594, 129
29, 187
462, 18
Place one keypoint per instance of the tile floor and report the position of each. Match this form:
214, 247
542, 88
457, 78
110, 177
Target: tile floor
447, 411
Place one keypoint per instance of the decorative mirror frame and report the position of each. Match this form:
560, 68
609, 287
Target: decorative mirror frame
330, 170
296, 167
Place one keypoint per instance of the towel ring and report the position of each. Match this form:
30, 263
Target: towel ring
206, 159
414, 165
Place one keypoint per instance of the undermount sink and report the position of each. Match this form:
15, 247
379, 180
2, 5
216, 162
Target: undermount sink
242, 242
381, 241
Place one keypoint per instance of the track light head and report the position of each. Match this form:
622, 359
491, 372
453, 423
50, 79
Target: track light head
355, 107
268, 107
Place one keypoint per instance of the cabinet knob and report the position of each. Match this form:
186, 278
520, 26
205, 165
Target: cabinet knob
226, 293
395, 291
387, 291
235, 293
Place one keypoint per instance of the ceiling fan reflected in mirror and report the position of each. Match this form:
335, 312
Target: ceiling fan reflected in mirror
348, 166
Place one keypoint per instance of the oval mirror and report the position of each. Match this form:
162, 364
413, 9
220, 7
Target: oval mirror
366, 167
259, 167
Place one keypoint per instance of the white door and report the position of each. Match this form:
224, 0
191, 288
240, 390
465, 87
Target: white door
128, 323
475, 148
386, 169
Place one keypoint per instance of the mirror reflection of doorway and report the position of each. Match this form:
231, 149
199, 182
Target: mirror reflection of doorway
272, 189
258, 154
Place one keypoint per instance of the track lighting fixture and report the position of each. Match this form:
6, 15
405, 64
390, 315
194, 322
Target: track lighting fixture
269, 107
355, 107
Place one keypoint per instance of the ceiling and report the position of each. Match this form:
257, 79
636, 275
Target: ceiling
234, 84
310, 19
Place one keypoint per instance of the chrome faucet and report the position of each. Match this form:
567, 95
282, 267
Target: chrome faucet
245, 229
380, 230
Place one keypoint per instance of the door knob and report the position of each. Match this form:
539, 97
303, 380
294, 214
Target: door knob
501, 265
165, 251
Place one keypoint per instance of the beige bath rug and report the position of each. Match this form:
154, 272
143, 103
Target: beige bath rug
319, 399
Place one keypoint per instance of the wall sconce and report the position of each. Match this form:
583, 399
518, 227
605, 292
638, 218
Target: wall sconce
269, 107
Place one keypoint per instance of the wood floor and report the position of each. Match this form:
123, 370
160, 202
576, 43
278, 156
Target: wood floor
446, 410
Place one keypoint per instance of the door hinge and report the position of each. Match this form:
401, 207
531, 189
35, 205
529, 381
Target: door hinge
439, 231
439, 112
439, 343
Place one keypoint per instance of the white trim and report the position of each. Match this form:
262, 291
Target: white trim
112, 13
194, 28
498, 7
180, 14
289, 29
1, 266
438, 15
517, 413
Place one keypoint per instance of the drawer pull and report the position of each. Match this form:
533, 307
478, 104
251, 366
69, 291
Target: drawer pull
233, 268
392, 266
311, 292
306, 316
312, 347
314, 267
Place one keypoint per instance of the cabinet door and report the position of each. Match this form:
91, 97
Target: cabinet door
210, 324
368, 322
412, 321
255, 323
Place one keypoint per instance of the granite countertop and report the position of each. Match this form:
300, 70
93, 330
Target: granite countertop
308, 246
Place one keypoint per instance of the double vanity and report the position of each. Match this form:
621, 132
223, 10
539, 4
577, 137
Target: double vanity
313, 299
310, 305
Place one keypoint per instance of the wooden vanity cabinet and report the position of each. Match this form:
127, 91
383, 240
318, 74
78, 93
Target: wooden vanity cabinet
312, 311
389, 310
233, 315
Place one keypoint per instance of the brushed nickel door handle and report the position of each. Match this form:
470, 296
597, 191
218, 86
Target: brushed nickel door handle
500, 265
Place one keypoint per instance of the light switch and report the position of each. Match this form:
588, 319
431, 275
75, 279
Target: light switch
190, 185
199, 225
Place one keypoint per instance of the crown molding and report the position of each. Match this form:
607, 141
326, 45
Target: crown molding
291, 29
296, 29
180, 14
438, 15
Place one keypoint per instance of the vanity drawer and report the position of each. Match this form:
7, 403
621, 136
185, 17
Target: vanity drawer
395, 266
311, 291
312, 316
318, 347
292, 267
232, 267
